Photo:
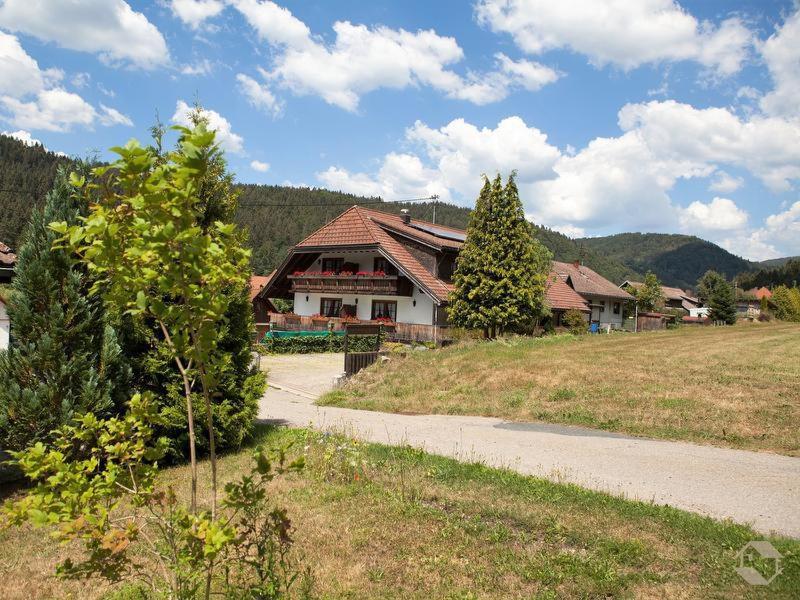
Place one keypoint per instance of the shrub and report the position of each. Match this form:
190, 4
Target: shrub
313, 344
575, 322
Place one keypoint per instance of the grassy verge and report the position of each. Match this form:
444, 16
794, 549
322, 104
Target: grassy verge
379, 522
731, 386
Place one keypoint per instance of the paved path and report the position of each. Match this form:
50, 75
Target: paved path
756, 488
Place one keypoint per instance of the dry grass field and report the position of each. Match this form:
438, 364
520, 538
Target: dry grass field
418, 526
728, 386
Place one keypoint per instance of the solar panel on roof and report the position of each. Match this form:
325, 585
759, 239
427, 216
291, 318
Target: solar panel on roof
439, 232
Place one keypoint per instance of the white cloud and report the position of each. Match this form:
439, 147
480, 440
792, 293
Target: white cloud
24, 136
230, 141
194, 12
259, 166
110, 28
725, 183
570, 230
81, 80
52, 110
202, 67
19, 72
781, 53
111, 116
719, 214
362, 59
455, 156
619, 32
259, 95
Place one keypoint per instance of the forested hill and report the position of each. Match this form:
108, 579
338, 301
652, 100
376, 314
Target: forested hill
678, 260
276, 217
26, 175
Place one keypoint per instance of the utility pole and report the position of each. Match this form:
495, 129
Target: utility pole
434, 197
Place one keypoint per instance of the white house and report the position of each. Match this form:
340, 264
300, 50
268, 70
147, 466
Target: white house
605, 298
372, 266
5, 326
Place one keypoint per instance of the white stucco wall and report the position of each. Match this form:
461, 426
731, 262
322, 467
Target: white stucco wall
407, 311
5, 326
607, 317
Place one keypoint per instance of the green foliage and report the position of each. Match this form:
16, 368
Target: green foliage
336, 458
649, 296
575, 322
785, 273
96, 484
64, 359
787, 303
312, 344
679, 260
27, 174
714, 291
501, 271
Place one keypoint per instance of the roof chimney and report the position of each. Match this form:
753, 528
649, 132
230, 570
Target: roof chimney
576, 264
405, 216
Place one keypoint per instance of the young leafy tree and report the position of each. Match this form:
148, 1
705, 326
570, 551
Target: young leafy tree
501, 272
154, 257
64, 358
239, 385
714, 291
787, 303
649, 296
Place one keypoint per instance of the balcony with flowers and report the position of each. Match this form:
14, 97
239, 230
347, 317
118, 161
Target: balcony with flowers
350, 282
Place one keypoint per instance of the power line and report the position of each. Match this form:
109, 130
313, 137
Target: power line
246, 203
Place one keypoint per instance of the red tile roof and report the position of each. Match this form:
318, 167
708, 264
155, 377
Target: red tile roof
587, 282
762, 293
257, 283
7, 257
562, 297
359, 226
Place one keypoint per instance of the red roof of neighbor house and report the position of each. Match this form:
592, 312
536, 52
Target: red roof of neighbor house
762, 293
560, 296
587, 282
257, 283
7, 257
359, 226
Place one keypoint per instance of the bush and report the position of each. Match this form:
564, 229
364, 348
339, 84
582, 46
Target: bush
313, 344
575, 322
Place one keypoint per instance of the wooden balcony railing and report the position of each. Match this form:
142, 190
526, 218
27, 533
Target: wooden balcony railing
385, 285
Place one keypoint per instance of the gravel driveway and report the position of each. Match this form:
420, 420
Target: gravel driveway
757, 488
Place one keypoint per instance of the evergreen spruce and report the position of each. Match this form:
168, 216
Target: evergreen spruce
502, 269
64, 359
714, 291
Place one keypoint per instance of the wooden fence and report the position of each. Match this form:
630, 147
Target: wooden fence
401, 332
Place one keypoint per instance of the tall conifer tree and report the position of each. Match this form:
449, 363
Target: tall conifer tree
64, 359
502, 269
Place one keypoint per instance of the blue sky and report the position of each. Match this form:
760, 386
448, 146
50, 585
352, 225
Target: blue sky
617, 116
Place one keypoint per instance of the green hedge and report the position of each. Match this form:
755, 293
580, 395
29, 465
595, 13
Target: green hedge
325, 342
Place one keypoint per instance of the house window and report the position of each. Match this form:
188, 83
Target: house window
330, 307
384, 309
616, 308
332, 264
602, 306
382, 264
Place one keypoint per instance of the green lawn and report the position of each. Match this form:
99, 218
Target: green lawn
412, 525
727, 386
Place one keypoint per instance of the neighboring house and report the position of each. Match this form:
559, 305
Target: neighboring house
5, 325
561, 298
7, 262
372, 266
605, 299
759, 293
673, 297
262, 306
